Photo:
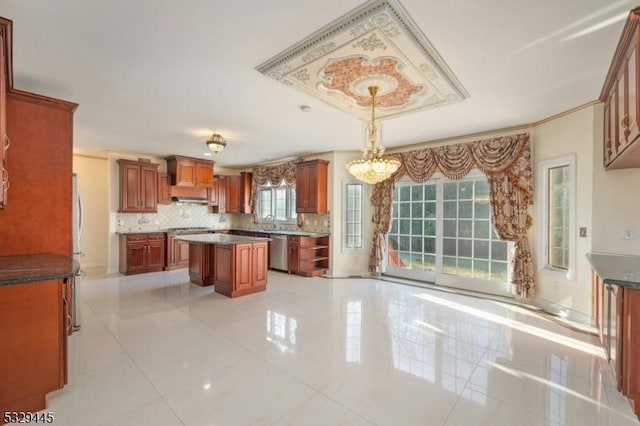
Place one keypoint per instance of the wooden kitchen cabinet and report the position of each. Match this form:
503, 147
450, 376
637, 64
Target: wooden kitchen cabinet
240, 269
164, 190
308, 256
191, 172
621, 97
233, 195
178, 250
140, 253
4, 138
212, 193
311, 186
138, 187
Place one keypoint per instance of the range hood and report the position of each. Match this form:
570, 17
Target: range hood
189, 194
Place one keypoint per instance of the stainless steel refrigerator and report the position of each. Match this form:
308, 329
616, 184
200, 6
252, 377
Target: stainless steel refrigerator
76, 229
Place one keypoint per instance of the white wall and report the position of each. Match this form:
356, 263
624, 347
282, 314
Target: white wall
573, 133
92, 181
616, 203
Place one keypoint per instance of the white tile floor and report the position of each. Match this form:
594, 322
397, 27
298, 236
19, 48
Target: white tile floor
156, 350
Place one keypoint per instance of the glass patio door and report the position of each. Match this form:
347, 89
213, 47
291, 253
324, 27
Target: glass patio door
442, 233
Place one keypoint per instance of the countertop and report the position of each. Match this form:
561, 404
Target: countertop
204, 230
36, 267
616, 269
220, 239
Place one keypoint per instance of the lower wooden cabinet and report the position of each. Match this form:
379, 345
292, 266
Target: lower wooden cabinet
140, 253
34, 323
616, 311
241, 269
178, 250
308, 256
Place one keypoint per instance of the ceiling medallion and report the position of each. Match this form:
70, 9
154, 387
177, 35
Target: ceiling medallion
376, 44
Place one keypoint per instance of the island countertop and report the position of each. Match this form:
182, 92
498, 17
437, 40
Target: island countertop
220, 239
29, 268
622, 270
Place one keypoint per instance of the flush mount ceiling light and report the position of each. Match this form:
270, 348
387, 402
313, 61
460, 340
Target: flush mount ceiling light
216, 143
373, 167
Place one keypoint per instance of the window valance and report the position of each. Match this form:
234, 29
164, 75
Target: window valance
506, 161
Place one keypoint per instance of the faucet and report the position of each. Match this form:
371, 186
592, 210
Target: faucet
271, 218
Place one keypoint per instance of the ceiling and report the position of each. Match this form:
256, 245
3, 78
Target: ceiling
157, 77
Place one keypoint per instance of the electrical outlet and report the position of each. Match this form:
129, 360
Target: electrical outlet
583, 232
629, 234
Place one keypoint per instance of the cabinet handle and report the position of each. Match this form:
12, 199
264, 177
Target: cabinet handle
7, 142
5, 178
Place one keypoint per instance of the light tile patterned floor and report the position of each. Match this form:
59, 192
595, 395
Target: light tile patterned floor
156, 350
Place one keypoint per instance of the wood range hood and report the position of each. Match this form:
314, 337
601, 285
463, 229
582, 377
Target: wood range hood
189, 194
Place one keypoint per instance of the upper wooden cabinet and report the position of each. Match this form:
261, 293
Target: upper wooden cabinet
233, 193
185, 171
620, 96
138, 187
311, 187
164, 190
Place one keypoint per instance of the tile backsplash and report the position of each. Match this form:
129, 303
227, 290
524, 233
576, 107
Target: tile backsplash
179, 215
174, 215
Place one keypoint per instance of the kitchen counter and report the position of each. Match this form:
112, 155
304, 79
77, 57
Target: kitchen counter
621, 270
170, 230
36, 268
282, 232
220, 239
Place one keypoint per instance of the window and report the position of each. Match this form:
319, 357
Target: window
557, 183
276, 204
441, 232
353, 226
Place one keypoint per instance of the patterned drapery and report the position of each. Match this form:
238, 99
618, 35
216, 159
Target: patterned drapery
275, 175
506, 161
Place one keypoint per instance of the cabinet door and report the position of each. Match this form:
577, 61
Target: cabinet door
222, 194
245, 192
185, 172
129, 187
204, 174
632, 111
260, 264
181, 250
164, 192
4, 140
302, 188
233, 202
293, 263
149, 188
212, 193
136, 256
155, 253
243, 272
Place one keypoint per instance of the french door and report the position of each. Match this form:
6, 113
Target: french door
442, 233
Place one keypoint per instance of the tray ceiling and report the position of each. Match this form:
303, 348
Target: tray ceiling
378, 44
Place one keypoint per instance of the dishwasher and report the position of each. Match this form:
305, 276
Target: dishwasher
278, 252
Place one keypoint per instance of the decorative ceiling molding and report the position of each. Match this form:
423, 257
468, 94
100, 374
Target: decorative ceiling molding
378, 44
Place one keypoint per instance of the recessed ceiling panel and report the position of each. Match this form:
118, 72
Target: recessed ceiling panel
375, 44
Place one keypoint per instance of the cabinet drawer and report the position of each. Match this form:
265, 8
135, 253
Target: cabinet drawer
137, 237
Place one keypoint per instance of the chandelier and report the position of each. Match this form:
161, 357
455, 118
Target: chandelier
216, 143
373, 167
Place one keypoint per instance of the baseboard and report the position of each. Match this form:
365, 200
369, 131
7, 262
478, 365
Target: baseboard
562, 311
94, 264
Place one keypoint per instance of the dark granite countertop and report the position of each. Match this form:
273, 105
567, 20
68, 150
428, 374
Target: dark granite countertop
220, 239
170, 230
282, 232
622, 270
36, 267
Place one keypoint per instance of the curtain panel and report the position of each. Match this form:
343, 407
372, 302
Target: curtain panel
506, 161
275, 175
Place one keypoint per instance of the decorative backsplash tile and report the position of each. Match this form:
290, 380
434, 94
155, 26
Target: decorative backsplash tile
182, 215
175, 215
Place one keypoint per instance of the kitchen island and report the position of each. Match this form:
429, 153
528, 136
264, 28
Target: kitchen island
235, 265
